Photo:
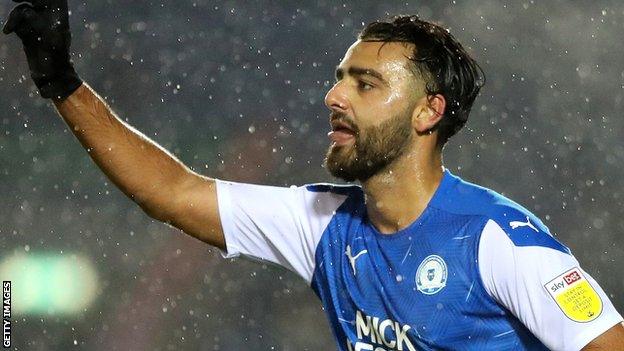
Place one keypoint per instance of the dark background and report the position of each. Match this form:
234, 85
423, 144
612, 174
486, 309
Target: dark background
235, 90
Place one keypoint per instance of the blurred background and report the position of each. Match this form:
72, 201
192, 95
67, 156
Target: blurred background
235, 90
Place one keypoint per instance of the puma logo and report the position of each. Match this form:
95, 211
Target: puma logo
516, 224
353, 258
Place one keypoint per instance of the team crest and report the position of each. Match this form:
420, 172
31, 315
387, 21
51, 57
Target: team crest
431, 275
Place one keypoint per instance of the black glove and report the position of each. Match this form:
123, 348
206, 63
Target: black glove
43, 26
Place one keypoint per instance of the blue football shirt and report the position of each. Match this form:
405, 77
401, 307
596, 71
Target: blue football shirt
475, 271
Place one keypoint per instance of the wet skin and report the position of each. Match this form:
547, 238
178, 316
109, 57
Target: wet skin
372, 103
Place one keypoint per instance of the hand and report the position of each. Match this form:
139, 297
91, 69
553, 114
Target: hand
43, 27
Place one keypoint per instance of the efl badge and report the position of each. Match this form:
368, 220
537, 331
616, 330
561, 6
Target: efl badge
431, 275
575, 296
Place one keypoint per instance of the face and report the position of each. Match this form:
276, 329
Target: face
371, 103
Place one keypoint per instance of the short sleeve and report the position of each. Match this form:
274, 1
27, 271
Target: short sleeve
282, 225
543, 285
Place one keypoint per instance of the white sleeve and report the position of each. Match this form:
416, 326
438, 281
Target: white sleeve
276, 224
545, 289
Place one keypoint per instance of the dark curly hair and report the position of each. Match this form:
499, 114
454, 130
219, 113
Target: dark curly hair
442, 63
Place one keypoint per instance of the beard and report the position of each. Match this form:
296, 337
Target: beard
373, 150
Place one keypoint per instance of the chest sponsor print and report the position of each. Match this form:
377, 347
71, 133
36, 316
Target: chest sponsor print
376, 334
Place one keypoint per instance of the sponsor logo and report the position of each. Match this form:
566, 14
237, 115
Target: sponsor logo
377, 334
353, 258
575, 296
516, 224
431, 275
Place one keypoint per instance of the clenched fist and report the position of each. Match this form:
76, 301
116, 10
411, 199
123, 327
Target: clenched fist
43, 27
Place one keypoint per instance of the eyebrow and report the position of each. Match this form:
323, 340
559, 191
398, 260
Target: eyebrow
359, 71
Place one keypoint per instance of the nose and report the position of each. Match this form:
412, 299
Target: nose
336, 99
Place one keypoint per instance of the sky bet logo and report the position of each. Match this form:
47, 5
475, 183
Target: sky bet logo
381, 335
575, 296
566, 280
6, 314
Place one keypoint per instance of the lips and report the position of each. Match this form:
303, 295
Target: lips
341, 133
340, 137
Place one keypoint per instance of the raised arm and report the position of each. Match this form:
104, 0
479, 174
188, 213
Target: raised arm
165, 188
153, 178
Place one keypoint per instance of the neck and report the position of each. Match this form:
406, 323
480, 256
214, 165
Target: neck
398, 195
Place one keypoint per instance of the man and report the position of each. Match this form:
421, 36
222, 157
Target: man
415, 258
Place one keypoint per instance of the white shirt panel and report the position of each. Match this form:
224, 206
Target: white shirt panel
515, 276
277, 224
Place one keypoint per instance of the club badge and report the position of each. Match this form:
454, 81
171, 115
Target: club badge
431, 275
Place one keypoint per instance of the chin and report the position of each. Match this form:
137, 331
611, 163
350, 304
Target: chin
340, 166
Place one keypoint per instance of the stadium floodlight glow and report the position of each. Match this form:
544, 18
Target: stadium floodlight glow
46, 283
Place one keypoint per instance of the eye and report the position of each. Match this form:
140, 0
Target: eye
362, 85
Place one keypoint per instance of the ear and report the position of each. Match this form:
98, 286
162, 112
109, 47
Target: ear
428, 112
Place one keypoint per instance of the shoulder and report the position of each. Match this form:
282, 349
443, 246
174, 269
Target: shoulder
316, 188
518, 223
350, 197
340, 189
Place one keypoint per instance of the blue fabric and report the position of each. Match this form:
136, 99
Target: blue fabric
377, 298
